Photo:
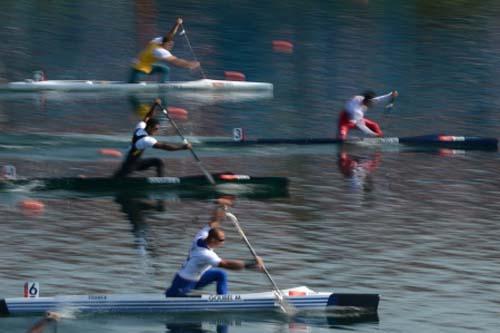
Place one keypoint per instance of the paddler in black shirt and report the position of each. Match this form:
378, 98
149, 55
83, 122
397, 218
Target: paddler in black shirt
142, 140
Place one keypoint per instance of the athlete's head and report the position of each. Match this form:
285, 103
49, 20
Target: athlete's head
168, 42
152, 126
215, 238
368, 96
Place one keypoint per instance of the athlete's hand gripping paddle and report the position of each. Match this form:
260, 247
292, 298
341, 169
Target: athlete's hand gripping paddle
390, 105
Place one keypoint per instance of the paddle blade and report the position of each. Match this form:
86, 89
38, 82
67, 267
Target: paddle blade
283, 304
177, 113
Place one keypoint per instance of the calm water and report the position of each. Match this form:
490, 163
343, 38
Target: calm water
420, 228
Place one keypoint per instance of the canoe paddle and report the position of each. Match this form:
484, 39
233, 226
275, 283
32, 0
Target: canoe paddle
183, 33
389, 108
185, 141
286, 307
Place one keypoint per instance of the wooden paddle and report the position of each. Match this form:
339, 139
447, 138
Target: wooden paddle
286, 307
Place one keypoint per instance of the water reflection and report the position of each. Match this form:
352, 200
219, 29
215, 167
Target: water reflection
140, 106
345, 321
47, 324
193, 328
298, 323
314, 321
234, 321
136, 211
358, 169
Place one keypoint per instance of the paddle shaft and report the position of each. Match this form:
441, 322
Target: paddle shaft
285, 306
198, 161
389, 108
192, 51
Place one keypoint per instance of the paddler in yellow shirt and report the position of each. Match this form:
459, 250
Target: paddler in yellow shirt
156, 57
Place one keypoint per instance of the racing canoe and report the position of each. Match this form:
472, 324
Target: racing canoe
430, 141
301, 298
98, 85
189, 186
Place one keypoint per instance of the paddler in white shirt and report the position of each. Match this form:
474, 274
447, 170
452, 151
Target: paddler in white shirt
156, 57
142, 140
203, 265
353, 114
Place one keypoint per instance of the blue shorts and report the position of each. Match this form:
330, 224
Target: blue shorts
181, 287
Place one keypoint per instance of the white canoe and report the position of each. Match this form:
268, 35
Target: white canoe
193, 97
93, 86
301, 298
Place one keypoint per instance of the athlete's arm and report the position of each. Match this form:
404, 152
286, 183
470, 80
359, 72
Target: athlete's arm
385, 99
217, 217
240, 264
232, 264
361, 125
219, 212
178, 62
152, 110
171, 34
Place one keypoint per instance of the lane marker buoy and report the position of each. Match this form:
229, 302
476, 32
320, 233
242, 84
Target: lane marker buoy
31, 207
234, 76
282, 46
110, 152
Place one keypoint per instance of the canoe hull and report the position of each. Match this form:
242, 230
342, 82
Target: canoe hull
154, 303
95, 86
425, 141
190, 186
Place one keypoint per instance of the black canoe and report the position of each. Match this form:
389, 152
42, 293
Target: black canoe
429, 141
189, 186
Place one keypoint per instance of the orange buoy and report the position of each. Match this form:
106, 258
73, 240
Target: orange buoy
177, 113
282, 46
173, 110
234, 76
110, 152
31, 206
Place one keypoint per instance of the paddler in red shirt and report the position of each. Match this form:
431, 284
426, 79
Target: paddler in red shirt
353, 114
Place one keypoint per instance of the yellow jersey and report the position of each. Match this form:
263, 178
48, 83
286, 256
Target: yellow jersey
151, 54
